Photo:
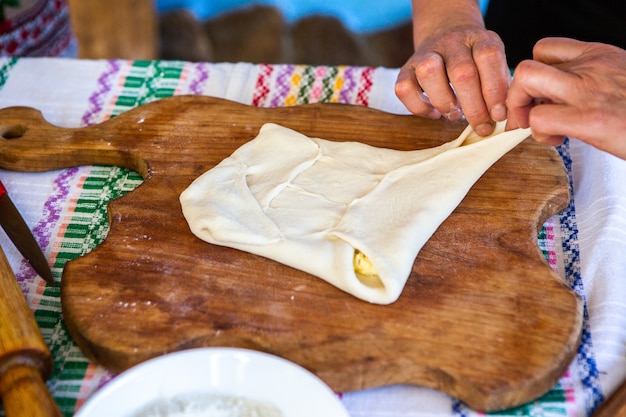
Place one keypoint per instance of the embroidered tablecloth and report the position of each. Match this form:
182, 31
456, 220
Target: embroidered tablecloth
66, 209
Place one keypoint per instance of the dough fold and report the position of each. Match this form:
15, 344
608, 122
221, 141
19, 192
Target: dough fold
315, 204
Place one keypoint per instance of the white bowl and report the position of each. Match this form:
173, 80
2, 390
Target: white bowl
233, 372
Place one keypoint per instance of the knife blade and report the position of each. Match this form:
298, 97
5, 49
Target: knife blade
18, 231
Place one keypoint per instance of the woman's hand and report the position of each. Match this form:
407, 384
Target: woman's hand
457, 72
574, 89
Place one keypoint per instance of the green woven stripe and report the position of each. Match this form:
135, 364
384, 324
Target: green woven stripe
89, 226
87, 229
5, 70
328, 84
542, 238
148, 81
306, 84
553, 404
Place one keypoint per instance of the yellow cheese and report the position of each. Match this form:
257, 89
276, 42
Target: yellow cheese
365, 271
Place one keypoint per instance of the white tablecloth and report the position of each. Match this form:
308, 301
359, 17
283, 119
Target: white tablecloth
588, 241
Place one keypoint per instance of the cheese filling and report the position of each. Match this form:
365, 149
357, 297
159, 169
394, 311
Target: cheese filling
365, 271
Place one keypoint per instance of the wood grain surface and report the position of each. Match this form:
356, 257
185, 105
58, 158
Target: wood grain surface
482, 317
25, 361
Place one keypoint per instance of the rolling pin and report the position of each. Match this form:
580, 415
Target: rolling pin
25, 361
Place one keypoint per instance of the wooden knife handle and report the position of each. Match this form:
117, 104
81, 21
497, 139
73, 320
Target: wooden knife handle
24, 356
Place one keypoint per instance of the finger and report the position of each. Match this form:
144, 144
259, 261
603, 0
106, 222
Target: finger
549, 121
494, 75
535, 82
519, 103
557, 50
552, 140
511, 124
523, 93
409, 92
544, 129
432, 78
465, 78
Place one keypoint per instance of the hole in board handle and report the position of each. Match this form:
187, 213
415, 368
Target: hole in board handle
12, 132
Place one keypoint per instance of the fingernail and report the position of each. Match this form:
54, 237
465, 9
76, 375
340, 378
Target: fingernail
455, 113
484, 129
498, 112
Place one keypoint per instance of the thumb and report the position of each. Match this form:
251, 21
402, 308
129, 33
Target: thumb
558, 50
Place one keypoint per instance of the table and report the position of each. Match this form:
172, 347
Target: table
66, 210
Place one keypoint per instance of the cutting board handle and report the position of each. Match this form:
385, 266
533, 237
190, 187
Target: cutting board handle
29, 143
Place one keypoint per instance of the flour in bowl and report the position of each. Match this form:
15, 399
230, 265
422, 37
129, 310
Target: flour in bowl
209, 405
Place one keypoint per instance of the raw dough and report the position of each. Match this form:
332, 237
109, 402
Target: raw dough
349, 213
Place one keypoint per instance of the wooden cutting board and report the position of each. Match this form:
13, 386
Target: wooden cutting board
482, 317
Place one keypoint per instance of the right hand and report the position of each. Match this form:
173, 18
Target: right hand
461, 72
575, 89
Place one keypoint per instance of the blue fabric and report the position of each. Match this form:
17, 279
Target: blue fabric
357, 15
483, 6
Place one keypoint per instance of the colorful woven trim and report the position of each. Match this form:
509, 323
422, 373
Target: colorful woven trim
290, 85
43, 30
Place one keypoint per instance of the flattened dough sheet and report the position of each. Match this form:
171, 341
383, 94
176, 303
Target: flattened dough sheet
313, 204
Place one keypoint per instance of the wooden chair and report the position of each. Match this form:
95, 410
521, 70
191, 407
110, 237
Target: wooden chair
107, 29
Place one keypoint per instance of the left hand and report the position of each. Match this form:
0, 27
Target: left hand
458, 71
